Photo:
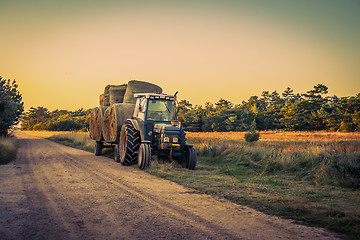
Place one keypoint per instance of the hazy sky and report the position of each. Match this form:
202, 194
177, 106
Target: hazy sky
63, 53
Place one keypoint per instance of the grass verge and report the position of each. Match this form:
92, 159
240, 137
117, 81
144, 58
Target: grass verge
315, 183
8, 147
80, 141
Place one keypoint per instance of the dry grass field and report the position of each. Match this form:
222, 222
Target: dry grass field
266, 136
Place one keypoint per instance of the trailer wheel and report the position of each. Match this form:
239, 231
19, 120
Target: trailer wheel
98, 148
129, 144
117, 153
144, 156
190, 158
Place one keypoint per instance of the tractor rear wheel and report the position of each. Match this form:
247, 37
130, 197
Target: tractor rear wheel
144, 156
98, 148
190, 158
129, 144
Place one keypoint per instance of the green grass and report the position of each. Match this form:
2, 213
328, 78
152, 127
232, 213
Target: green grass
314, 183
80, 141
8, 147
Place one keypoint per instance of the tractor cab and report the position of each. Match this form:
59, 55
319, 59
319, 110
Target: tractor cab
158, 122
155, 107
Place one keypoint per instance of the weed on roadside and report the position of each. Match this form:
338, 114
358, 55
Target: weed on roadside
8, 147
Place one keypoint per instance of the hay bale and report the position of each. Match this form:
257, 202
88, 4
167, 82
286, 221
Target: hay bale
101, 99
92, 123
98, 123
135, 86
107, 88
117, 93
106, 101
114, 118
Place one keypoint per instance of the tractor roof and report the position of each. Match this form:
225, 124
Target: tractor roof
155, 96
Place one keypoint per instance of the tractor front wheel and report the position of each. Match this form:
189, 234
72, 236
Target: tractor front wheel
190, 158
98, 148
144, 156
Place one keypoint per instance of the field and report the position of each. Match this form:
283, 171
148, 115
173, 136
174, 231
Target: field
282, 136
313, 178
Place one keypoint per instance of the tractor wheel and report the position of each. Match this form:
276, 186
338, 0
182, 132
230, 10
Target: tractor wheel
144, 156
182, 138
190, 158
98, 148
117, 153
129, 144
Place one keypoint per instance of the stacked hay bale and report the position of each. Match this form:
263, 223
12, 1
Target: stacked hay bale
135, 86
97, 128
116, 105
117, 93
106, 98
92, 123
101, 99
115, 116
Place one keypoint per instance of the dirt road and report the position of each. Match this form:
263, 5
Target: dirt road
56, 192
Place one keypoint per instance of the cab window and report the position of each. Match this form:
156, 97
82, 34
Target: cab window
141, 109
160, 110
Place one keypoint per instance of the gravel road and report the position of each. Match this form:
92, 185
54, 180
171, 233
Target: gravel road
52, 191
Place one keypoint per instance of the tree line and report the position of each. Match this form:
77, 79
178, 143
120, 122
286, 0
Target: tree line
41, 118
288, 111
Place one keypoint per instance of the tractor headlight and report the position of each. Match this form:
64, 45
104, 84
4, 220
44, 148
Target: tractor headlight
166, 139
175, 140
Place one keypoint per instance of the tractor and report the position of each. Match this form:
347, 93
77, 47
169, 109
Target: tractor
145, 127
154, 129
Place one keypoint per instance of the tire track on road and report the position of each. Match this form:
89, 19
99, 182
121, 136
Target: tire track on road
41, 193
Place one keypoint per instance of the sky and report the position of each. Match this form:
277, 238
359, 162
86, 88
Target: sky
63, 53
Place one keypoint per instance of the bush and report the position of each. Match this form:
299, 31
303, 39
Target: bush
252, 136
7, 149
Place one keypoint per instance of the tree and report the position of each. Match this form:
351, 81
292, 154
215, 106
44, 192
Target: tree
11, 105
289, 111
34, 117
58, 120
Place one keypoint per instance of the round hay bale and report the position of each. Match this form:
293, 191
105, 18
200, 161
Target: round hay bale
135, 86
101, 99
106, 124
117, 93
98, 123
106, 101
114, 118
92, 123
107, 88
